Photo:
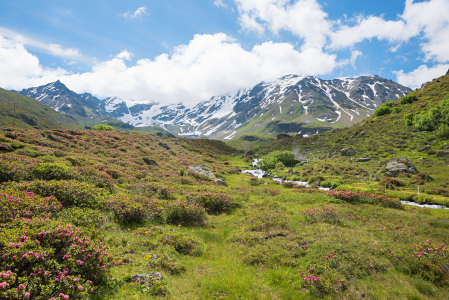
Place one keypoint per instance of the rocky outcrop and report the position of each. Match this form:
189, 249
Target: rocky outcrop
347, 151
400, 165
146, 277
149, 162
281, 136
203, 170
164, 145
53, 138
363, 159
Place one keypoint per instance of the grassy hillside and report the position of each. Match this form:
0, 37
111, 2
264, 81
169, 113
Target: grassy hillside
83, 213
31, 113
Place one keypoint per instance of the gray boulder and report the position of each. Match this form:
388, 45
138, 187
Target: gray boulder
164, 145
53, 138
281, 136
400, 165
220, 182
146, 277
442, 153
249, 152
329, 155
302, 158
149, 162
347, 151
203, 170
364, 159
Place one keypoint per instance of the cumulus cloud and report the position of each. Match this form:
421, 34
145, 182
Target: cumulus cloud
139, 12
125, 55
422, 74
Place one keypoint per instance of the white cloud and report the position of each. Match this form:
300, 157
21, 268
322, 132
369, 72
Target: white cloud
53, 49
219, 3
139, 12
125, 55
70, 63
417, 77
394, 48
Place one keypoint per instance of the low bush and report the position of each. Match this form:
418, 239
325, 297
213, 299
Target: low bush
184, 213
362, 197
15, 168
68, 192
382, 110
21, 204
84, 217
213, 202
288, 185
166, 258
391, 182
42, 258
326, 215
182, 242
133, 208
254, 181
276, 159
425, 260
96, 177
53, 171
328, 184
408, 99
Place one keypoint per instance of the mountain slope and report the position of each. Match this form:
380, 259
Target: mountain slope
31, 113
306, 105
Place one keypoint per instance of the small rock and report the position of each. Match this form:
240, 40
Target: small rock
159, 134
362, 133
146, 277
164, 145
364, 159
155, 257
53, 138
149, 162
8, 129
220, 182
203, 170
284, 178
290, 171
349, 151
299, 136
265, 183
329, 155
249, 152
234, 154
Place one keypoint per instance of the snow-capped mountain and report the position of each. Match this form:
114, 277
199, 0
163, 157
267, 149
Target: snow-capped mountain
292, 103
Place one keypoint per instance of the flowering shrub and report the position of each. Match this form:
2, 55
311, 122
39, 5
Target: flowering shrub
288, 185
325, 214
50, 171
94, 176
211, 201
182, 242
133, 208
437, 191
68, 192
41, 258
306, 190
197, 175
15, 204
84, 217
426, 260
268, 191
391, 182
323, 277
15, 168
361, 197
255, 181
184, 213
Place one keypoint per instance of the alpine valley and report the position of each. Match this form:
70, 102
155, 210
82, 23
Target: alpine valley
292, 104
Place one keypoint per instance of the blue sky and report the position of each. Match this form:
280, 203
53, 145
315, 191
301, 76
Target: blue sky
187, 51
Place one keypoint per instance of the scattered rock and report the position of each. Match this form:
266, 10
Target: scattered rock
281, 136
146, 277
88, 127
29, 153
29, 120
164, 145
159, 134
53, 138
265, 183
299, 136
290, 171
442, 153
256, 155
364, 159
234, 154
249, 152
424, 148
220, 182
302, 158
329, 155
362, 133
266, 175
149, 162
8, 129
439, 80
284, 178
447, 73
203, 170
347, 151
400, 165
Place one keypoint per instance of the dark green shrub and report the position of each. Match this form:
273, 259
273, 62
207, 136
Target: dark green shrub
437, 118
276, 159
53, 171
409, 119
44, 258
254, 181
328, 184
103, 127
83, 217
397, 110
382, 110
15, 167
21, 204
183, 213
408, 99
133, 208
